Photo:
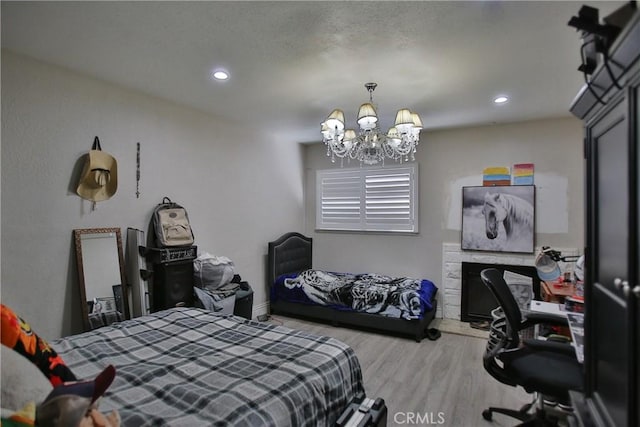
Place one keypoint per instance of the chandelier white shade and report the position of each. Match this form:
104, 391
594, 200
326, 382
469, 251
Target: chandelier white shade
370, 145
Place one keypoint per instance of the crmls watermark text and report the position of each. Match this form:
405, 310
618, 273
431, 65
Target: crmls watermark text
419, 418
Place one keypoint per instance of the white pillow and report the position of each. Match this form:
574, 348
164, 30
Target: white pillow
22, 381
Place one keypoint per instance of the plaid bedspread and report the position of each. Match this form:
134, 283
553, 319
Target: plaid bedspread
190, 367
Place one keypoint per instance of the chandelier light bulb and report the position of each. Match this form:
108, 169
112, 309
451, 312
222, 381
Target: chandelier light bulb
393, 138
324, 129
417, 123
335, 120
404, 121
349, 135
367, 117
348, 138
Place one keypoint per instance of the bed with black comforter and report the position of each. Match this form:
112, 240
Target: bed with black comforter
391, 304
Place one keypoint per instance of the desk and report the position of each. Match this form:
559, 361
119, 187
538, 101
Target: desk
551, 292
576, 323
548, 308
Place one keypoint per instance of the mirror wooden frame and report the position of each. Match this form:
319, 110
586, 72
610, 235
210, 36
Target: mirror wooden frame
77, 235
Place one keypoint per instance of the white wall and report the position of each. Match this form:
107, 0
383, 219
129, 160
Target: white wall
241, 189
448, 160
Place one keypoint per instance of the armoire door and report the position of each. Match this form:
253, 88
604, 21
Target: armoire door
608, 263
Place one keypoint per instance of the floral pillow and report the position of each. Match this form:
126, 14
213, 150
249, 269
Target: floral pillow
18, 335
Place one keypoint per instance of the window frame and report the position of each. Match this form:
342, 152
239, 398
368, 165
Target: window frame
362, 211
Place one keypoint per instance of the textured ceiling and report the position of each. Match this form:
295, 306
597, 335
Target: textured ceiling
292, 62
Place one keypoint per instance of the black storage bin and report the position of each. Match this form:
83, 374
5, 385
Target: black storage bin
244, 303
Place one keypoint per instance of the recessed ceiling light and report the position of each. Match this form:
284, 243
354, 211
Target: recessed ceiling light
500, 99
220, 75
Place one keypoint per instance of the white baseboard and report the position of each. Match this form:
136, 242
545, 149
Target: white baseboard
260, 309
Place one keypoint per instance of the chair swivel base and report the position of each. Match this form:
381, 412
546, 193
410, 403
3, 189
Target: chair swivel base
540, 417
521, 414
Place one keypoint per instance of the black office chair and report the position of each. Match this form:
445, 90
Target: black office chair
547, 368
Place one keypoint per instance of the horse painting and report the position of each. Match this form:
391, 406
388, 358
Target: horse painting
498, 218
512, 211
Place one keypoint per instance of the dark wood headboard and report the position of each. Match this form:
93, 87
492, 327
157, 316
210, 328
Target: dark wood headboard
291, 253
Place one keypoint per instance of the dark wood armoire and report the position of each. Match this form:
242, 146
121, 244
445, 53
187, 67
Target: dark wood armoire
610, 109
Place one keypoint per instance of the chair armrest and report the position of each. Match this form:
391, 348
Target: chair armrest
556, 347
536, 318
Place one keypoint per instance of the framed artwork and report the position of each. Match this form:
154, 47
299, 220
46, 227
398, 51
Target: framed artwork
104, 305
499, 219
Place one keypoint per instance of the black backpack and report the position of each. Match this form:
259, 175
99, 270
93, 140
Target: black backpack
170, 224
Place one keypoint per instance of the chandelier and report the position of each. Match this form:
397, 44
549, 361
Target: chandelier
370, 146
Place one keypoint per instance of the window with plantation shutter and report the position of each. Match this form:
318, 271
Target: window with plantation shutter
368, 199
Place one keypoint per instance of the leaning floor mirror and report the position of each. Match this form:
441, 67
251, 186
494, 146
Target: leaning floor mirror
101, 276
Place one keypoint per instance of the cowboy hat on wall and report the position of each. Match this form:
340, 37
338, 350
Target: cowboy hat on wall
99, 178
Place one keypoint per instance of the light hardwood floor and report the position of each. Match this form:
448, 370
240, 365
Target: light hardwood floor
438, 382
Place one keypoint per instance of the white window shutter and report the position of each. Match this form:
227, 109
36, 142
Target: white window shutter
367, 199
389, 200
339, 206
